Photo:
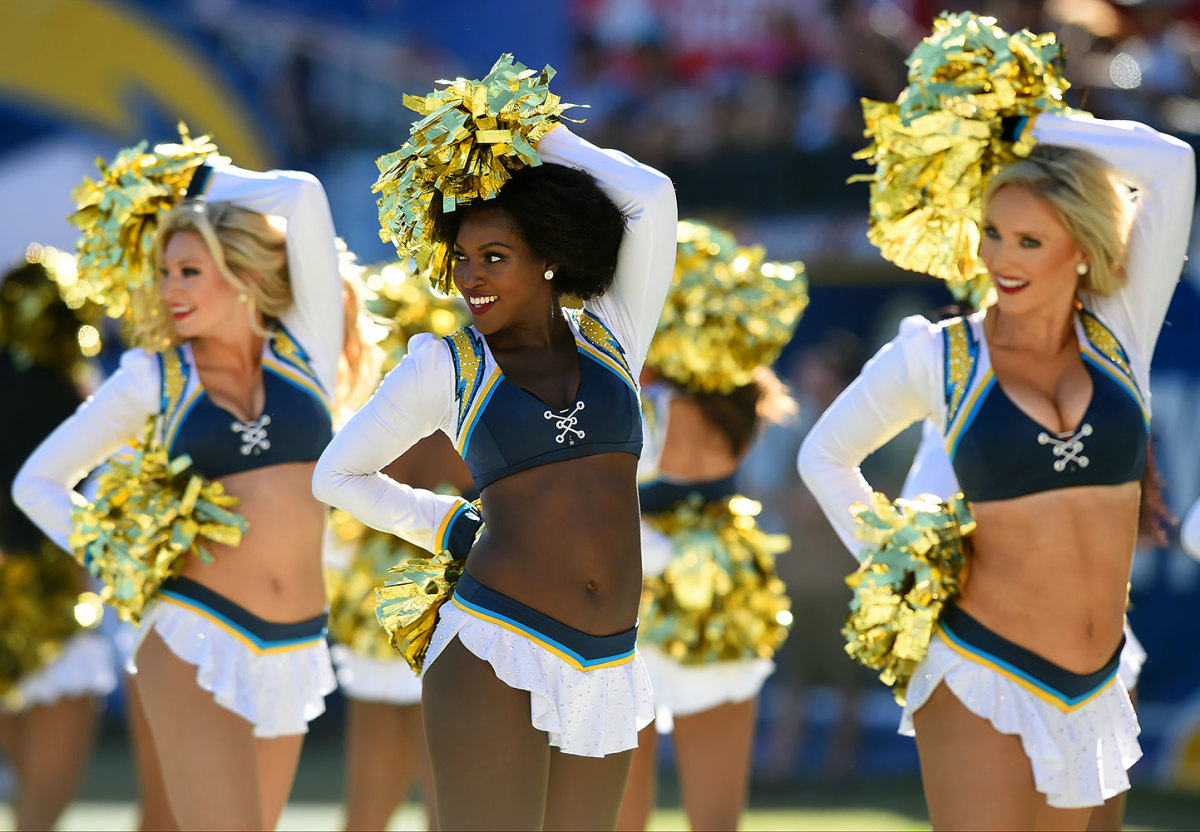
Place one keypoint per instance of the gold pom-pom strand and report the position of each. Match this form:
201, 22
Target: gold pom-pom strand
720, 598
410, 306
408, 607
936, 147
41, 607
728, 311
352, 591
149, 514
117, 216
473, 135
917, 551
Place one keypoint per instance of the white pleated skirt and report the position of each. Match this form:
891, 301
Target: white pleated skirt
682, 690
85, 667
589, 694
368, 679
1080, 744
275, 676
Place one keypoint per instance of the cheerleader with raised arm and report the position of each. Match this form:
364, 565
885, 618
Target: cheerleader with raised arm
714, 610
532, 691
1021, 717
244, 317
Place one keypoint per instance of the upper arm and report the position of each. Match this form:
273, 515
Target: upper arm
415, 399
316, 317
1162, 169
108, 420
646, 259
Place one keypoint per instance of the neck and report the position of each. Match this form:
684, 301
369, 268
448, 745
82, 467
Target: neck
1044, 330
240, 350
541, 333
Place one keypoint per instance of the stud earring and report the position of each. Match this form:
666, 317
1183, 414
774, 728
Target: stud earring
548, 274
1081, 269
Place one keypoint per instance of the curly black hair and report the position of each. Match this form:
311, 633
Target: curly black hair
564, 216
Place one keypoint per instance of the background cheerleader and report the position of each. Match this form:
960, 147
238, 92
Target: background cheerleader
713, 609
54, 671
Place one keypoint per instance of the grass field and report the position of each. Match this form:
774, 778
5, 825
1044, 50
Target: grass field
107, 799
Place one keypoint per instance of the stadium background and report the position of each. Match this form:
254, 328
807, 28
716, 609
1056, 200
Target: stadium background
751, 107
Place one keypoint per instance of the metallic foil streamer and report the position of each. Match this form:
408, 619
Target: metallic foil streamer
472, 136
935, 148
117, 216
41, 606
408, 608
728, 311
917, 551
720, 598
352, 591
149, 514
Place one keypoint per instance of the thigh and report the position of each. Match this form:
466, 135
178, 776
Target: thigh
977, 778
490, 765
155, 809
56, 749
712, 750
585, 792
276, 758
206, 752
383, 745
12, 737
642, 787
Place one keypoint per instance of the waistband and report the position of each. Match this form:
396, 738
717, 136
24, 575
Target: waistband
1043, 678
581, 650
661, 494
258, 634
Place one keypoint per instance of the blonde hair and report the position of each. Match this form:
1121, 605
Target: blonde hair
1082, 191
250, 252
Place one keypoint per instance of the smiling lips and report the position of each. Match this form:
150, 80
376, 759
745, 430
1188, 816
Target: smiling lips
1009, 285
481, 303
180, 314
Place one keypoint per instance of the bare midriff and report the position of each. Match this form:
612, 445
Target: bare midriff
564, 539
276, 572
1050, 571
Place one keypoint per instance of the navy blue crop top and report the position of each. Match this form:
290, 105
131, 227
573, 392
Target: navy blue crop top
504, 429
999, 452
295, 424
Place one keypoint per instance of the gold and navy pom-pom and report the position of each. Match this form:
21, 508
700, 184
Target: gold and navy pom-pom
935, 148
408, 607
728, 311
41, 607
117, 216
472, 135
917, 550
720, 598
149, 514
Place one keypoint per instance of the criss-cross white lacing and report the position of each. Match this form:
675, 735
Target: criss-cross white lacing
254, 435
566, 422
1069, 449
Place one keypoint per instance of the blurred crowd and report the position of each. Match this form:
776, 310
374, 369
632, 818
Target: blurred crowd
719, 94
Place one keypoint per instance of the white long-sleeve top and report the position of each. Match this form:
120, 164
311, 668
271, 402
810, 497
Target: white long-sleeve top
116, 414
418, 396
905, 381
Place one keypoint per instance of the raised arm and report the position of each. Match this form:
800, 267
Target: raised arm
647, 256
316, 317
1163, 170
415, 399
107, 421
897, 387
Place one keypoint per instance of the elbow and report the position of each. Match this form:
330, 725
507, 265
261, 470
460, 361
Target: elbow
24, 491
324, 482
809, 460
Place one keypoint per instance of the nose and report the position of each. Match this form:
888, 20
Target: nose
472, 275
169, 286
